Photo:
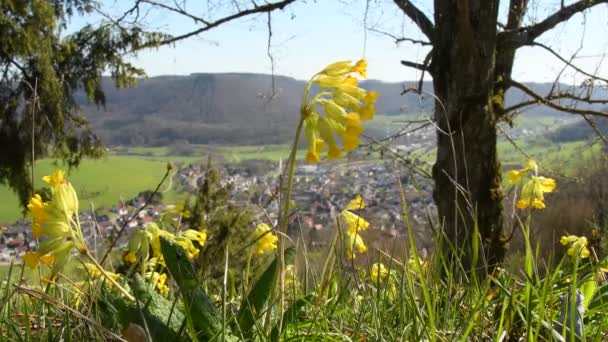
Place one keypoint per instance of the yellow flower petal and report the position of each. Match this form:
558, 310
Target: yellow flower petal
545, 184
130, 257
538, 204
354, 223
350, 142
564, 240
355, 204
325, 81
38, 209
339, 68
523, 204
334, 152
31, 259
37, 230
47, 259
355, 242
378, 272
531, 165
514, 176
312, 157
56, 179
360, 67
267, 240
368, 109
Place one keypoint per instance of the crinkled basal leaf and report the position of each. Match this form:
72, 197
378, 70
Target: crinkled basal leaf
253, 305
163, 324
205, 318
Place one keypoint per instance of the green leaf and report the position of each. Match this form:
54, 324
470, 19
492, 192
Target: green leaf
163, 324
290, 317
599, 302
588, 289
200, 310
252, 306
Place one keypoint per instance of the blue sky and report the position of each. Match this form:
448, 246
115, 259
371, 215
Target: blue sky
310, 34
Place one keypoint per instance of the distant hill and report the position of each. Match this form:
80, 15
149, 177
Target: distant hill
229, 108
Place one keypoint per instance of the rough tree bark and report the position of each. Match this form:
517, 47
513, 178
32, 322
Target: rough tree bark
471, 61
467, 172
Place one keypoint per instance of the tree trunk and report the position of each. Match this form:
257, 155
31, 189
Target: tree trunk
467, 173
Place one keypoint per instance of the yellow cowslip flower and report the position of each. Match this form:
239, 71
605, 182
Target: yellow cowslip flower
532, 194
37, 230
568, 239
195, 236
95, 273
266, 239
534, 187
413, 261
531, 165
369, 106
354, 223
360, 67
187, 244
578, 245
38, 209
55, 179
56, 220
354, 242
378, 272
339, 94
339, 68
130, 257
159, 281
33, 259
514, 176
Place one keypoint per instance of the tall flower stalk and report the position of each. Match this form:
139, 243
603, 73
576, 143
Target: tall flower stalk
334, 113
58, 222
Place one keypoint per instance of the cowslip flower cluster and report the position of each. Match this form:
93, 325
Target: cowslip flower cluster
534, 187
159, 281
345, 107
378, 273
354, 224
56, 223
145, 242
577, 245
266, 239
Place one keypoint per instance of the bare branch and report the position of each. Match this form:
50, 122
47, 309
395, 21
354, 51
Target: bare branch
414, 65
399, 40
418, 17
177, 10
569, 63
256, 9
539, 99
527, 35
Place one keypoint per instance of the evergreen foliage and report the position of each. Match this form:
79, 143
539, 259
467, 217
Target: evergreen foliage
41, 68
228, 226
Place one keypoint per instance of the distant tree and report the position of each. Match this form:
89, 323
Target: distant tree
471, 58
228, 226
41, 69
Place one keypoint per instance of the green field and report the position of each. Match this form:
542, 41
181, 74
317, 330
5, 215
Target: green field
200, 152
101, 182
130, 170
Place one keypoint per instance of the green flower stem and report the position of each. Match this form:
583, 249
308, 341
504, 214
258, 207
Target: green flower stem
285, 215
108, 277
